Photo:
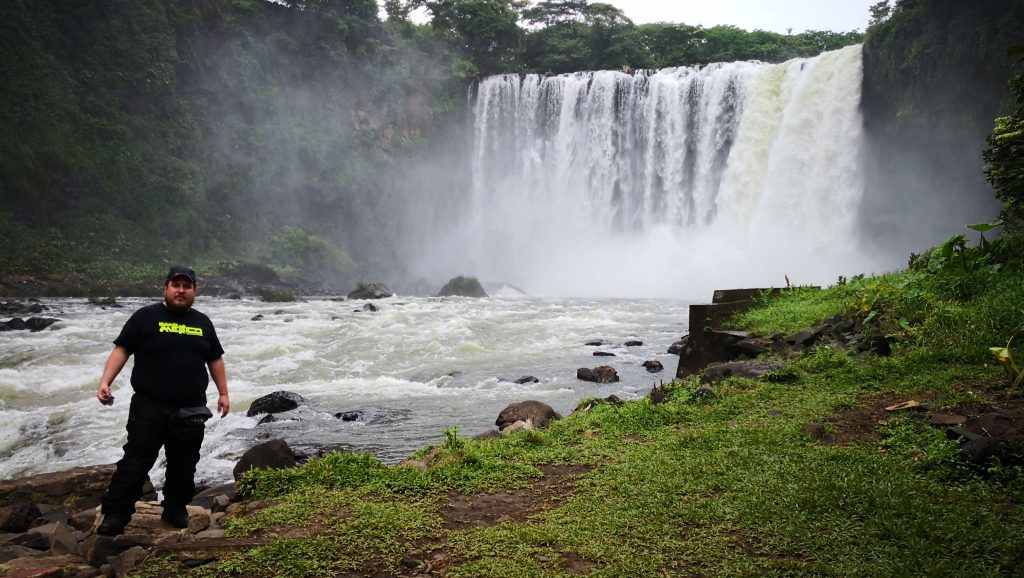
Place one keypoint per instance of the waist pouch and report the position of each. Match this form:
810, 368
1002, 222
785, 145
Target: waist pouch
191, 416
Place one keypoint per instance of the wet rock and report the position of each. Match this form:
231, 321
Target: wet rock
274, 454
653, 366
370, 291
601, 374
596, 343
34, 324
10, 551
717, 372
96, 549
369, 308
633, 343
210, 498
128, 560
50, 513
462, 287
804, 338
31, 540
46, 567
751, 346
974, 448
257, 317
677, 347
705, 348
105, 302
603, 354
12, 308
75, 489
994, 425
31, 324
18, 517
269, 418
527, 379
57, 538
531, 412
277, 402
347, 416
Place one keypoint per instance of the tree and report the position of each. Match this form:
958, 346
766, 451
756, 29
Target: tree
672, 44
574, 35
486, 30
1004, 157
880, 12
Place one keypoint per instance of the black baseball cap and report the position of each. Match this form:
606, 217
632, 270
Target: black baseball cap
180, 271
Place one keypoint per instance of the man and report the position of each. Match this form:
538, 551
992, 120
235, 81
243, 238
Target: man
174, 345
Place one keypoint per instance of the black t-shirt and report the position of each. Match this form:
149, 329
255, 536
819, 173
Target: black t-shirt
171, 351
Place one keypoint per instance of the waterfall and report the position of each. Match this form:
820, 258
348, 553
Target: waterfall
665, 182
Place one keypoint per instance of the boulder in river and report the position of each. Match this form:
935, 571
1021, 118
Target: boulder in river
32, 324
462, 287
277, 402
275, 455
653, 366
600, 374
531, 412
370, 291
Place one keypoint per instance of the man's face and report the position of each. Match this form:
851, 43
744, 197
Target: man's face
179, 293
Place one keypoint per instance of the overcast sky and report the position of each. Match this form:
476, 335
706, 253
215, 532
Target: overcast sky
775, 15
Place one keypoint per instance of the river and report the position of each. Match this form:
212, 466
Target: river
413, 368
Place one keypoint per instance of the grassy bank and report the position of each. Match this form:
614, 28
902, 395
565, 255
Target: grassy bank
722, 485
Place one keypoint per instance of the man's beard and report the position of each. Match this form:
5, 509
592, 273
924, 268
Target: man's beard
175, 307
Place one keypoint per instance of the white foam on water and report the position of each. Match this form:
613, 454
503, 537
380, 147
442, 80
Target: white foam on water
410, 370
664, 183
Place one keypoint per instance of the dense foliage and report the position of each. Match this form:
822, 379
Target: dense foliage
1004, 158
935, 75
569, 35
224, 129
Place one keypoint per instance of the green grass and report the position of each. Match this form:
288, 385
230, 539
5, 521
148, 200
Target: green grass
721, 486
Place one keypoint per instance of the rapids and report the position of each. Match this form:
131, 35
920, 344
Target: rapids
414, 368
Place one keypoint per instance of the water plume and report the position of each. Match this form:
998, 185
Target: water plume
664, 183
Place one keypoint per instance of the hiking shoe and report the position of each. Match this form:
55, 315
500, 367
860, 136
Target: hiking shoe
113, 525
176, 518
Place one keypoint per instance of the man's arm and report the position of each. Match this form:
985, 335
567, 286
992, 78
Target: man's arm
220, 379
118, 357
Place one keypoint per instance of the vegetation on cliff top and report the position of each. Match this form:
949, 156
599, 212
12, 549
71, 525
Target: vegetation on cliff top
724, 485
222, 132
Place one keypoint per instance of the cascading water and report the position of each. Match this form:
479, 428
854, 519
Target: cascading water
664, 183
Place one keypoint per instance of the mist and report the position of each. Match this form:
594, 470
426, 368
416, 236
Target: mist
663, 183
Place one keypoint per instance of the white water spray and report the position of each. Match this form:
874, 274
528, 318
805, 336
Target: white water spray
664, 183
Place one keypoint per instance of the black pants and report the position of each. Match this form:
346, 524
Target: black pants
151, 425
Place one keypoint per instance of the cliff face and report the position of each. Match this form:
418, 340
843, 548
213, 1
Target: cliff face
935, 77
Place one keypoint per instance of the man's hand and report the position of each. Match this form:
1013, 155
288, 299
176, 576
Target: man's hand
104, 395
116, 361
223, 404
